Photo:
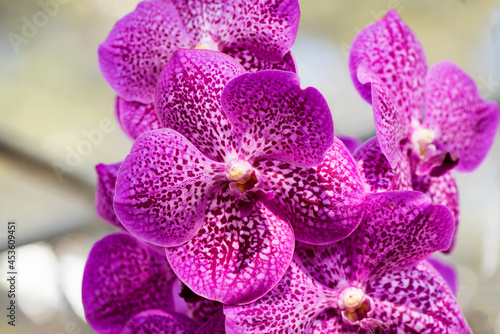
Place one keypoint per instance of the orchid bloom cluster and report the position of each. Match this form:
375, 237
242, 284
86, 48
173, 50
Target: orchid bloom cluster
239, 210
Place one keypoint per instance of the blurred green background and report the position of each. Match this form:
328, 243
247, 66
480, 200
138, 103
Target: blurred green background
52, 95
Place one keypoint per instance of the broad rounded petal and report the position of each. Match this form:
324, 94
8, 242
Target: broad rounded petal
376, 171
350, 143
159, 322
138, 48
399, 228
267, 28
391, 125
331, 264
188, 99
291, 307
124, 276
163, 186
391, 50
416, 300
274, 118
232, 259
253, 63
324, 204
136, 118
214, 325
447, 272
442, 190
105, 191
462, 121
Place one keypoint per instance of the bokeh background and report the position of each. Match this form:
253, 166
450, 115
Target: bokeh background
52, 97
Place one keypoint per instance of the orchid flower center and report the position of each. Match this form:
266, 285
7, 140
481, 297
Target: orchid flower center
354, 304
423, 139
241, 174
207, 43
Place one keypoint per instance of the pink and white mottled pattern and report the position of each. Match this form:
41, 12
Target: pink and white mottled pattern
447, 271
325, 203
230, 253
124, 276
163, 187
408, 296
159, 322
274, 118
188, 99
105, 192
462, 121
376, 171
136, 118
140, 44
390, 50
391, 126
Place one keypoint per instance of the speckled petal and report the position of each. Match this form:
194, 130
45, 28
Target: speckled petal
376, 171
214, 325
274, 118
391, 124
391, 50
232, 259
138, 48
399, 228
447, 271
136, 118
163, 186
324, 204
159, 322
254, 64
462, 121
288, 308
188, 99
105, 191
350, 142
442, 190
124, 276
416, 300
266, 27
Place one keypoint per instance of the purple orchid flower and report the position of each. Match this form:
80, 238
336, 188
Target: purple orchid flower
389, 70
257, 33
228, 184
374, 281
123, 277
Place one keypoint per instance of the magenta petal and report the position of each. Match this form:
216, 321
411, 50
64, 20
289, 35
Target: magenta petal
124, 276
163, 186
138, 48
462, 121
391, 50
399, 228
391, 124
288, 308
234, 260
105, 192
350, 143
266, 28
159, 322
416, 300
376, 171
214, 325
442, 190
324, 204
136, 118
447, 271
274, 118
254, 64
188, 99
